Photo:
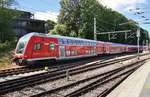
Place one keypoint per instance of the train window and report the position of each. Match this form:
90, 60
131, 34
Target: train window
81, 42
75, 42
90, 43
78, 42
60, 41
65, 41
20, 47
51, 46
37, 46
93, 44
68, 41
72, 42
84, 43
68, 53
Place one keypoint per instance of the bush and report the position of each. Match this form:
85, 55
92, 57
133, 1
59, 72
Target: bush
7, 46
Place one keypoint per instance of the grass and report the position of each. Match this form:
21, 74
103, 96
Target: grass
6, 55
5, 59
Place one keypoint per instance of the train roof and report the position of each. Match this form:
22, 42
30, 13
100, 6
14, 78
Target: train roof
57, 36
27, 36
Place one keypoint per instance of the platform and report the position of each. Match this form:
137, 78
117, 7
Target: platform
136, 85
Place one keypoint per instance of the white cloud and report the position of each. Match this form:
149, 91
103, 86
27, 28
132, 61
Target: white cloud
48, 15
121, 4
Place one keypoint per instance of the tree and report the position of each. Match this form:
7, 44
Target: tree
7, 3
59, 29
70, 15
6, 17
78, 16
50, 24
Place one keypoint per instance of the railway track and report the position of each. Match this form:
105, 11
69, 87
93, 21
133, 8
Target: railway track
15, 84
102, 79
22, 70
26, 69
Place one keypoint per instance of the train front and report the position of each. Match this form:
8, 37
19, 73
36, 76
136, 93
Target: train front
19, 55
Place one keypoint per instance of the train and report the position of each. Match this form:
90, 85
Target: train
35, 47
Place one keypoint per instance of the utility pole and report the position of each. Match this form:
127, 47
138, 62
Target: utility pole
95, 36
138, 40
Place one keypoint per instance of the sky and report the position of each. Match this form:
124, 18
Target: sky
49, 9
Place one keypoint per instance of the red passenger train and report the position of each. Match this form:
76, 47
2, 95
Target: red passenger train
35, 47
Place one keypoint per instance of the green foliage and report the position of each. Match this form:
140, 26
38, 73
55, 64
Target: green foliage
6, 17
50, 24
59, 29
7, 3
7, 46
78, 16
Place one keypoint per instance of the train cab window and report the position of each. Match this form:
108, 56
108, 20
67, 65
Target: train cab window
37, 46
20, 47
22, 43
51, 46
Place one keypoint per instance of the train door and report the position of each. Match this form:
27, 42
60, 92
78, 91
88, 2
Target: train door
108, 48
61, 51
61, 48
